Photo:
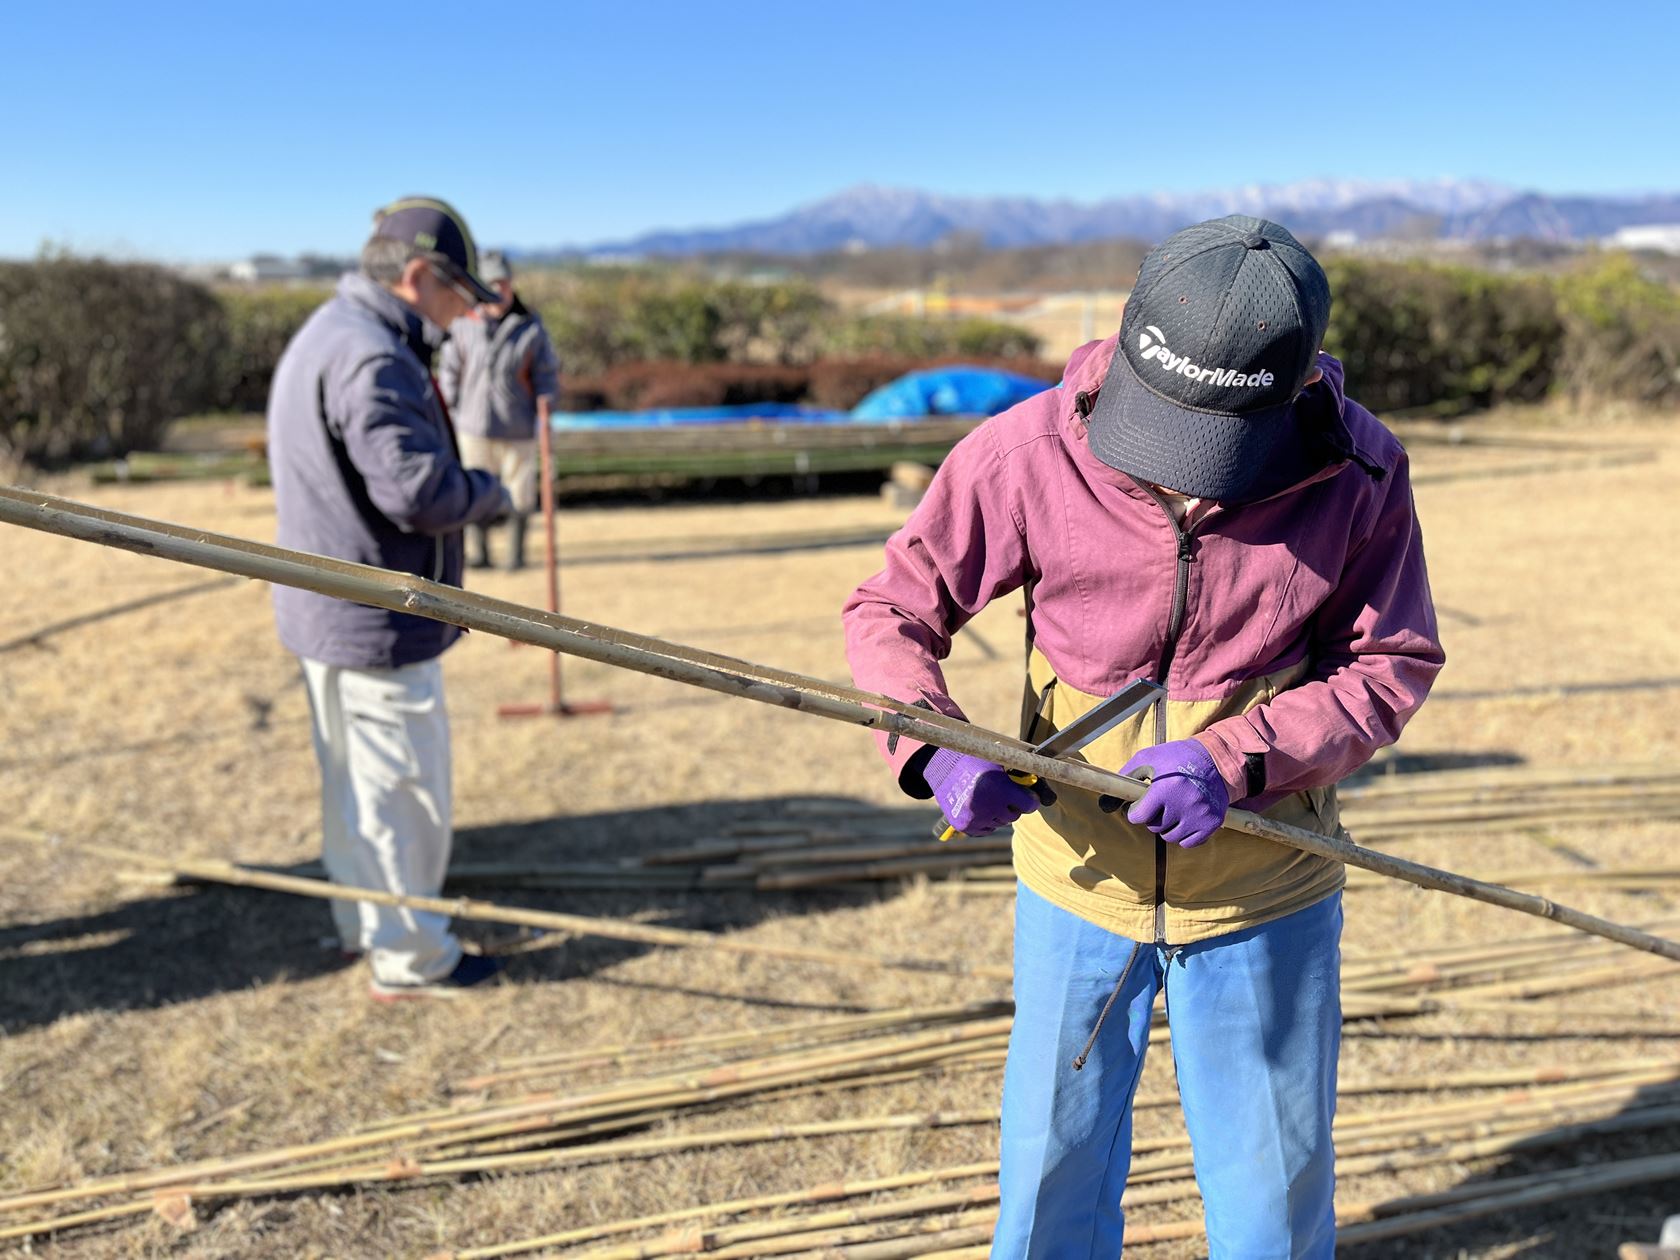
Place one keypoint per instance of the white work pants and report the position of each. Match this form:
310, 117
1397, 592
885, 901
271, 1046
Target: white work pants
514, 460
382, 739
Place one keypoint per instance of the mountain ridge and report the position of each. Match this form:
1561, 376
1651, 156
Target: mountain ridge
873, 216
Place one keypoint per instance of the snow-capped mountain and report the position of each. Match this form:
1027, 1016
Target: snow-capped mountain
871, 216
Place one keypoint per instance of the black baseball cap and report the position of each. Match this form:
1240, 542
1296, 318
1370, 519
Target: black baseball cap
1217, 340
438, 230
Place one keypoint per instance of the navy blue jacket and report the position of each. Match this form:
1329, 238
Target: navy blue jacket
365, 468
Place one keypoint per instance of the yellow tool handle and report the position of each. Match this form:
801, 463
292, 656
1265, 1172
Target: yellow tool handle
1019, 776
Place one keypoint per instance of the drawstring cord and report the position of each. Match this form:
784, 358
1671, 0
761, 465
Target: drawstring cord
1079, 1060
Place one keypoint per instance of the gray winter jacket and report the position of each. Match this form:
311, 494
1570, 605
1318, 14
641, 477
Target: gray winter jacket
365, 468
492, 371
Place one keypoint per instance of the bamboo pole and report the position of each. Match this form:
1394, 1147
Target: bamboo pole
1530, 1126
1398, 1217
821, 1240
1539, 1135
542, 1113
816, 1194
1624, 878
784, 1227
216, 870
727, 675
1426, 955
956, 1236
816, 1032
1493, 780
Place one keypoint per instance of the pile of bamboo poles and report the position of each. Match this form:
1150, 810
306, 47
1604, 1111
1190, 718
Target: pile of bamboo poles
947, 1225
1627, 1098
841, 845
498, 1123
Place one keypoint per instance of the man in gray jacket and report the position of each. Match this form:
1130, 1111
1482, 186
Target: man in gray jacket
366, 468
497, 365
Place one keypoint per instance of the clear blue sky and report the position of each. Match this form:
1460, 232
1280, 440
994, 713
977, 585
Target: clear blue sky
185, 131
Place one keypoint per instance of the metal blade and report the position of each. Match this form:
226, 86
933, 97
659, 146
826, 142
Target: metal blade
1133, 698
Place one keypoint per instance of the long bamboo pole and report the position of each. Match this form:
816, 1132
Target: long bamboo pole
816, 1194
403, 592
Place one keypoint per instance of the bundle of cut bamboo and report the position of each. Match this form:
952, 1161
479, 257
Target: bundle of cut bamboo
497, 1124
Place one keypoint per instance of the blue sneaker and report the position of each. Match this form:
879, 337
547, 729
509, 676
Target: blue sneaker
472, 970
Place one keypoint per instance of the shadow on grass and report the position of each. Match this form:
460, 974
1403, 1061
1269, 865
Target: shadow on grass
38, 638
184, 943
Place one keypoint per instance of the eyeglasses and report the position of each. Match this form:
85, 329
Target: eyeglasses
461, 291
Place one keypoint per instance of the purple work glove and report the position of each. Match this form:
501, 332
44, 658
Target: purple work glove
977, 795
1187, 798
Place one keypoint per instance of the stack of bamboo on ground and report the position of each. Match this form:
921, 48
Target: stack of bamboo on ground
841, 845
656, 1093
957, 1220
844, 845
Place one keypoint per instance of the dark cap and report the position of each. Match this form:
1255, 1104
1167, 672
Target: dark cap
435, 228
1219, 336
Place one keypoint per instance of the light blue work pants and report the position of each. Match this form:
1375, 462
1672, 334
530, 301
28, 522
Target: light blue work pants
1256, 1025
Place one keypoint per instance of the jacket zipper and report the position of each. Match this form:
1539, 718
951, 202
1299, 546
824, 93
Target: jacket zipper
1175, 626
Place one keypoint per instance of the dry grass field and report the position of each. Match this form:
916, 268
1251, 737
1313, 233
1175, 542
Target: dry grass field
149, 705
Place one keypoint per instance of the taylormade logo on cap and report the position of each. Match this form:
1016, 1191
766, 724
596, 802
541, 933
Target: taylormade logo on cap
1152, 347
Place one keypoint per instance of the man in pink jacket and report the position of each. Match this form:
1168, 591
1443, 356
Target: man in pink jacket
1198, 503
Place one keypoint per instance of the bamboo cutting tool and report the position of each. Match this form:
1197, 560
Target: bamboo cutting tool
1132, 699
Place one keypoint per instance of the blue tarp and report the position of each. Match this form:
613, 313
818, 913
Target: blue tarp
947, 391
673, 417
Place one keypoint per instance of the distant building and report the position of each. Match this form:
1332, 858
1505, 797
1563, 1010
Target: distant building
266, 268
1662, 238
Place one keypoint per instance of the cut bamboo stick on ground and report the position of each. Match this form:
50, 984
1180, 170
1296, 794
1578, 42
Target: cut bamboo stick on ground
1525, 1133
1395, 1218
726, 675
812, 1032
1358, 1222
553, 1114
1624, 879
816, 1194
549, 1119
217, 871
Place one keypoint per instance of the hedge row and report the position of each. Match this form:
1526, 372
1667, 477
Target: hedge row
838, 383
96, 358
600, 318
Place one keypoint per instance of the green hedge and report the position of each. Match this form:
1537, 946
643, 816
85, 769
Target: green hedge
259, 324
1621, 335
96, 358
1415, 335
602, 317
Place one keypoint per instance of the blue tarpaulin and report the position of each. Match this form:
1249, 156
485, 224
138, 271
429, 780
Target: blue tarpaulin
674, 417
949, 391
946, 391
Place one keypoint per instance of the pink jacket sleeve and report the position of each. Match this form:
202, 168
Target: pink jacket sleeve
962, 547
1376, 652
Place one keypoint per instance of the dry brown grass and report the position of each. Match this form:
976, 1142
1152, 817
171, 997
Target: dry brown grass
145, 1026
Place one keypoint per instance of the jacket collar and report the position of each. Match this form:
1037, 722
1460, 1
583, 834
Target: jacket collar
417, 332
